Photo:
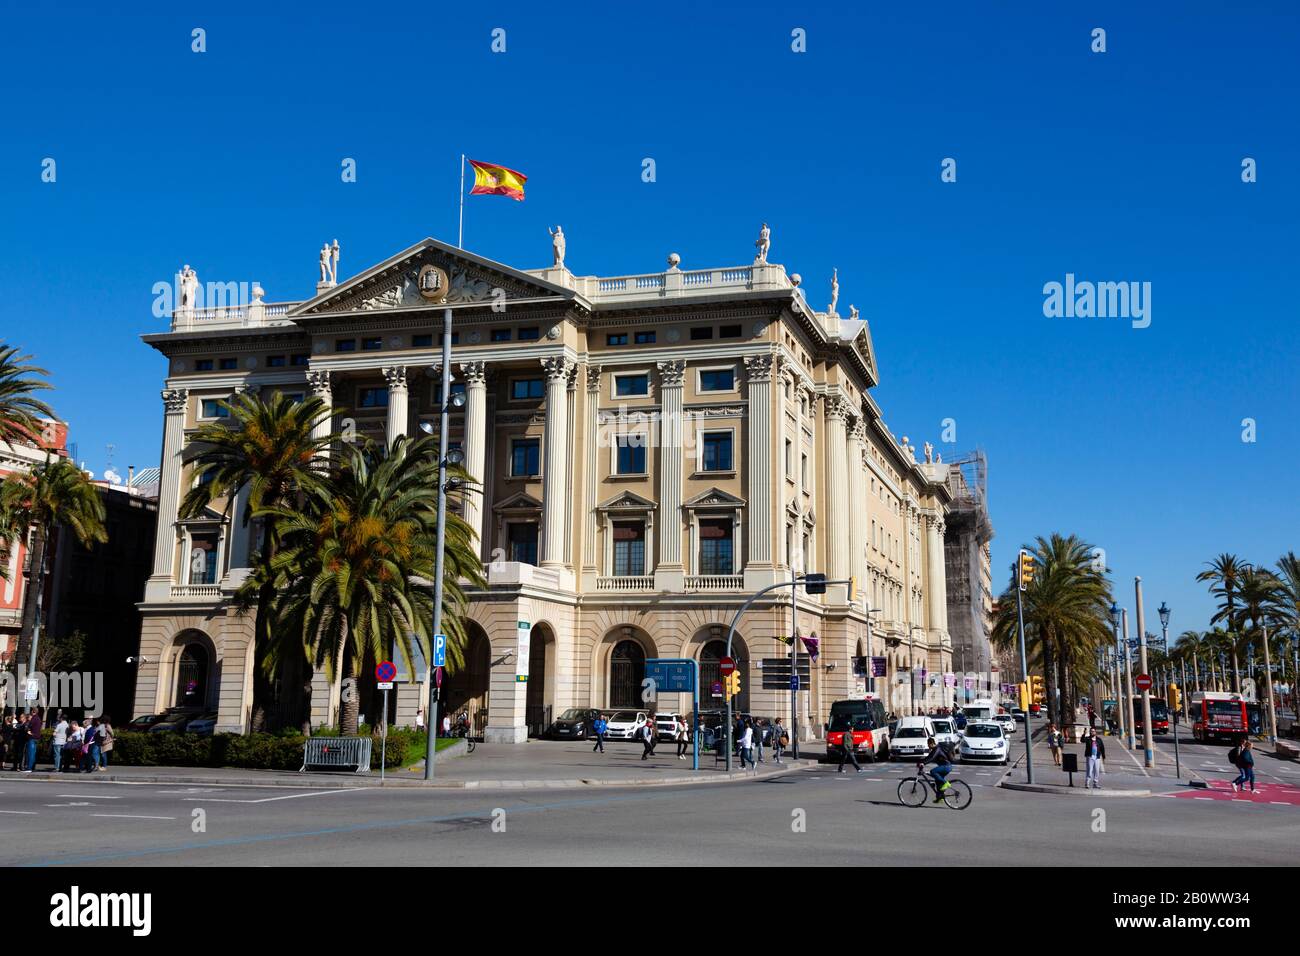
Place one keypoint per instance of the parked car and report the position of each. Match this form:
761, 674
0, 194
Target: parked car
203, 725
625, 724
984, 741
1018, 715
574, 724
666, 725
174, 721
144, 722
1007, 722
945, 732
912, 739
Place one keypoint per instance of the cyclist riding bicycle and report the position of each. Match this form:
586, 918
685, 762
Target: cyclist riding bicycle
942, 758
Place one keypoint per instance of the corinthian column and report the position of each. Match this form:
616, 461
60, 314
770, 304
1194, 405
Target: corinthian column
589, 475
669, 573
319, 381
175, 401
758, 370
398, 415
555, 479
837, 490
475, 441
935, 585
858, 503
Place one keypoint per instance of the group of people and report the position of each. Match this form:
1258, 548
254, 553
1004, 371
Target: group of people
751, 733
74, 745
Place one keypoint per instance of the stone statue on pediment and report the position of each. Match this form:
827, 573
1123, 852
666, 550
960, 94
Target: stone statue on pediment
835, 290
764, 243
557, 246
334, 263
325, 262
189, 287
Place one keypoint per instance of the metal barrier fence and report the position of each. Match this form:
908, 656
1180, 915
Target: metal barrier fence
336, 753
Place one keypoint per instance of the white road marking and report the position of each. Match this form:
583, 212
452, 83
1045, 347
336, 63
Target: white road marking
87, 796
291, 796
28, 812
1279, 803
130, 816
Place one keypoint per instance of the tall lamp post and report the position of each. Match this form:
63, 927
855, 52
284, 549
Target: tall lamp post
1148, 744
447, 402
1163, 611
1115, 615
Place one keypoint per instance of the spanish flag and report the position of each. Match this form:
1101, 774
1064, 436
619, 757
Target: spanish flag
490, 180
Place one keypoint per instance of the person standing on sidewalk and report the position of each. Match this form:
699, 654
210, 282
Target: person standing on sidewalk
598, 727
1246, 767
1054, 743
648, 739
60, 738
747, 747
1094, 752
105, 735
682, 735
759, 731
18, 750
34, 728
779, 740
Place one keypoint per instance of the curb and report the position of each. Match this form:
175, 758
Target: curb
1070, 791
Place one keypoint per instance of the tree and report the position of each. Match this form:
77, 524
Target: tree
1288, 594
1224, 575
55, 494
1066, 609
266, 456
20, 411
1190, 647
353, 579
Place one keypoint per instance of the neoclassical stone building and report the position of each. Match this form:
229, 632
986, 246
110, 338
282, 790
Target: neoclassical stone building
653, 448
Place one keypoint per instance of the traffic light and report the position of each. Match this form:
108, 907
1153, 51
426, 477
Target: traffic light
1175, 697
1024, 696
853, 587
1026, 566
1037, 692
731, 685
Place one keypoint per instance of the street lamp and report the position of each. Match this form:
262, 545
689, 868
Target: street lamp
446, 402
1115, 615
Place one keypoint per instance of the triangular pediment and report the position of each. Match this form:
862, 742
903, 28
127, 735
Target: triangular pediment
519, 501
714, 498
461, 278
627, 501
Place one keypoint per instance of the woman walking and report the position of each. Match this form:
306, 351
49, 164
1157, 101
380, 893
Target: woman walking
1054, 743
1246, 767
683, 737
747, 746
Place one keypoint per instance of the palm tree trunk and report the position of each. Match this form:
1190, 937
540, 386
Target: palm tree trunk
262, 687
1049, 676
1236, 669
32, 599
349, 702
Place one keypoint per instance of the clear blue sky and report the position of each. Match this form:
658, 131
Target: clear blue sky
1116, 166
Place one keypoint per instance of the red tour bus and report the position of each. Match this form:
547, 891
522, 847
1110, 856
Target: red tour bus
1217, 716
1159, 715
863, 722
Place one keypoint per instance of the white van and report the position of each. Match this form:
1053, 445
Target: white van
911, 737
982, 709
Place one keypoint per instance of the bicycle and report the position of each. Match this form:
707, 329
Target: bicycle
915, 791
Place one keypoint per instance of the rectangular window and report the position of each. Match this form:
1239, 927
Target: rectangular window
530, 334
372, 398
212, 408
729, 332
803, 470
372, 344
525, 457
617, 338
716, 452
203, 558
716, 546
522, 389
302, 359
275, 361
629, 549
631, 455
701, 332
500, 335
789, 458
626, 386
522, 538
645, 338
227, 364
294, 397
345, 345
421, 341
203, 365
717, 380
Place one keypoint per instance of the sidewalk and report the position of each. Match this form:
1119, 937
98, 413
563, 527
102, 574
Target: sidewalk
1123, 775
537, 764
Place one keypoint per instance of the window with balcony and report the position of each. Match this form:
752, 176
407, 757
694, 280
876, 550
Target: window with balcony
630, 455
202, 563
716, 536
629, 549
521, 538
525, 457
715, 451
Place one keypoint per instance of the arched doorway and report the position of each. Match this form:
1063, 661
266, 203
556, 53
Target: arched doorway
711, 655
626, 671
192, 666
468, 689
540, 689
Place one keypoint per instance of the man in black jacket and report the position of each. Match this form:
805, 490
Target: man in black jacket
1094, 752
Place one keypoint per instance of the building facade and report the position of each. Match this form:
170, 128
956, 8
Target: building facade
968, 571
652, 449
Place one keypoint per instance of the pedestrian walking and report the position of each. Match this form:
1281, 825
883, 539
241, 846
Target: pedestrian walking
740, 732
419, 719
90, 747
779, 740
760, 731
60, 739
599, 727
446, 725
683, 735
1094, 752
1054, 742
1092, 718
105, 741
847, 748
648, 739
747, 747
1245, 763
34, 728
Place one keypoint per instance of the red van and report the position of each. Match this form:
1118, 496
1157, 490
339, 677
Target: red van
863, 722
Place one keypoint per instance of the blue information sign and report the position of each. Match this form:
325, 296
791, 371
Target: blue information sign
794, 681
440, 650
671, 677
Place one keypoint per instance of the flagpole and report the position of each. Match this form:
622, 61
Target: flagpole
460, 233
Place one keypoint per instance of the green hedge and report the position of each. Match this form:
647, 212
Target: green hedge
254, 751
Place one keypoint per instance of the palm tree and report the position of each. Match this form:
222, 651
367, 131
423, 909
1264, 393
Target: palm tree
266, 455
1190, 645
353, 580
20, 411
1288, 596
1224, 574
1066, 612
55, 494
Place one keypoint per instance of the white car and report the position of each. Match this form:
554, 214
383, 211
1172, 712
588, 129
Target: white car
912, 738
945, 732
625, 724
666, 725
983, 740
1008, 724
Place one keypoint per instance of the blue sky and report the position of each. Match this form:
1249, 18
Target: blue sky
1115, 166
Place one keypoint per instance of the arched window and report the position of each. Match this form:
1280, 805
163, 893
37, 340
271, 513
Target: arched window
711, 656
626, 671
192, 677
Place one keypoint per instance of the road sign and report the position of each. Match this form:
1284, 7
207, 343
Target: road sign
437, 676
440, 650
716, 689
794, 681
385, 672
384, 685
726, 666
1142, 682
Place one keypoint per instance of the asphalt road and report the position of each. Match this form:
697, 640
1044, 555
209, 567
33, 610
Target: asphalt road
847, 819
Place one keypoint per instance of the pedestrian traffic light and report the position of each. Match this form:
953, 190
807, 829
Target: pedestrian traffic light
1037, 693
1024, 696
731, 684
1026, 565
